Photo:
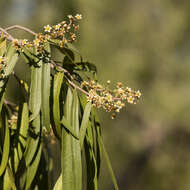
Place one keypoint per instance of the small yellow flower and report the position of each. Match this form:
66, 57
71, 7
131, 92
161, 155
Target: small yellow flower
57, 27
78, 16
128, 89
138, 94
47, 28
73, 37
36, 42
28, 45
109, 97
130, 99
24, 42
70, 16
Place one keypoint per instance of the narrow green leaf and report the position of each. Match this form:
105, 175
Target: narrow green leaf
12, 58
97, 134
91, 166
1, 100
84, 122
76, 150
23, 129
35, 89
6, 147
11, 179
32, 169
66, 152
67, 125
32, 140
58, 185
108, 162
58, 80
6, 181
71, 152
46, 90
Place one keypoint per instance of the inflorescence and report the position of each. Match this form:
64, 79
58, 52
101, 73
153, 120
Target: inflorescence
58, 34
61, 34
110, 100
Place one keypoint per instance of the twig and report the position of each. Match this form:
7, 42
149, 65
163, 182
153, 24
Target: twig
69, 81
9, 37
77, 87
11, 104
21, 28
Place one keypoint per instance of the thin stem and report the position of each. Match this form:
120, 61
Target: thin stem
9, 37
69, 81
21, 28
77, 87
9, 103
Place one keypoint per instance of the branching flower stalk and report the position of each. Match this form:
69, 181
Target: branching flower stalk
57, 104
60, 35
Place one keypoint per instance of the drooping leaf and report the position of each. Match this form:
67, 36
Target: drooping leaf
22, 128
35, 89
58, 184
68, 127
32, 169
46, 90
12, 57
1, 100
9, 182
76, 150
58, 80
84, 123
71, 152
6, 146
91, 166
108, 162
32, 140
6, 181
66, 152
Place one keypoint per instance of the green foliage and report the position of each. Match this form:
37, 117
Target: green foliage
53, 106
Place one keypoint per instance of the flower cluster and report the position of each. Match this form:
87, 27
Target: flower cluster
3, 61
110, 100
58, 34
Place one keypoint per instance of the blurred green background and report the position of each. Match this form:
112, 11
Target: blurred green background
145, 44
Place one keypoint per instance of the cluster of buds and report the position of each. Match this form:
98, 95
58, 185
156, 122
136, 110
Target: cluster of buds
3, 62
110, 100
60, 34
13, 119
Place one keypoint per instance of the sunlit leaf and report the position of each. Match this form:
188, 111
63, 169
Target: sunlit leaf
32, 140
58, 80
6, 146
68, 127
46, 90
32, 169
58, 185
35, 89
71, 152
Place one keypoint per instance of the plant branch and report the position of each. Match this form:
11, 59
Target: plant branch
9, 37
69, 81
21, 28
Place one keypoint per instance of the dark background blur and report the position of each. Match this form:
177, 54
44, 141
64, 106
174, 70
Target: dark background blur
145, 44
